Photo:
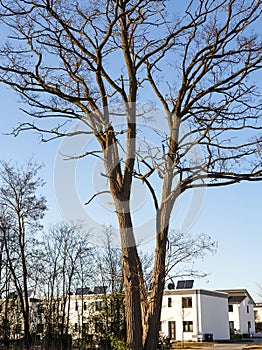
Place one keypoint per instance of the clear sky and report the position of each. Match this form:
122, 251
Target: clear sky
231, 216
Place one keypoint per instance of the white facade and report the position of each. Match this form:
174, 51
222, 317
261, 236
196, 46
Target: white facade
258, 312
258, 318
193, 313
241, 311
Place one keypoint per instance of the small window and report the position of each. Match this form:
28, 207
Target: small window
247, 309
186, 302
230, 308
39, 328
75, 327
231, 327
99, 327
85, 328
85, 306
172, 330
169, 302
76, 306
100, 305
18, 328
187, 326
248, 325
40, 309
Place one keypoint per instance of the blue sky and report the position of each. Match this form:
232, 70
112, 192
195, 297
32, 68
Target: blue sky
231, 215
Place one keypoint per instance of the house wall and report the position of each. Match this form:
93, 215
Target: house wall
258, 312
176, 313
208, 313
246, 310
214, 316
258, 317
235, 317
242, 316
81, 309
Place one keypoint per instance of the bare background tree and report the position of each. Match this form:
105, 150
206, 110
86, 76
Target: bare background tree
68, 265
197, 62
22, 208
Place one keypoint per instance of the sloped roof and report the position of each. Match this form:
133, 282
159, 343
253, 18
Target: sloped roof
238, 295
236, 299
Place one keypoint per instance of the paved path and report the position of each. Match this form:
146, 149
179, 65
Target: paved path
233, 346
229, 346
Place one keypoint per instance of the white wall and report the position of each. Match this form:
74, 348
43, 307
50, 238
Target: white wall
258, 312
234, 316
246, 317
214, 316
241, 315
209, 314
178, 314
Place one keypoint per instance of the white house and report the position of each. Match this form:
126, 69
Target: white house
195, 314
258, 317
240, 311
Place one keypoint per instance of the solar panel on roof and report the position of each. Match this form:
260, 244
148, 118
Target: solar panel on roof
189, 284
186, 284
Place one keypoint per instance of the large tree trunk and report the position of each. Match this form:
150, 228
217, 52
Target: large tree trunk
131, 272
151, 325
151, 321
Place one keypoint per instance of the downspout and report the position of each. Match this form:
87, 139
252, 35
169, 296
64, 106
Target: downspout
197, 314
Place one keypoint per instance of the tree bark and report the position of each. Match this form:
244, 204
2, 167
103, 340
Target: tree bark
131, 271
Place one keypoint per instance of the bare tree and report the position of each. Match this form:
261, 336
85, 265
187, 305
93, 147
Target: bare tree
68, 266
22, 209
184, 250
198, 63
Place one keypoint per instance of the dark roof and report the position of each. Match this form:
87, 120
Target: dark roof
236, 299
100, 289
83, 291
238, 293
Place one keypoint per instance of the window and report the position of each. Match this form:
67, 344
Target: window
76, 306
187, 326
40, 309
85, 328
18, 328
230, 308
186, 302
247, 309
75, 327
172, 330
85, 306
248, 325
99, 327
39, 328
231, 327
169, 302
100, 305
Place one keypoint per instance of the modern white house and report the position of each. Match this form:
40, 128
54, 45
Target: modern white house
195, 315
240, 311
258, 317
